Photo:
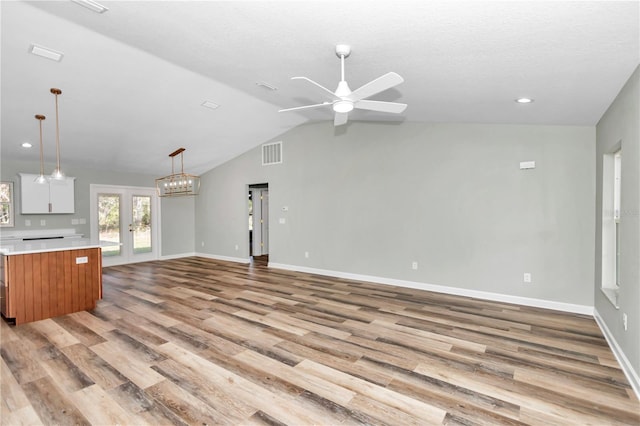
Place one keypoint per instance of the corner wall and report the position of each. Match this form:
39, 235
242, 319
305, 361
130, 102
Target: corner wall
621, 124
373, 198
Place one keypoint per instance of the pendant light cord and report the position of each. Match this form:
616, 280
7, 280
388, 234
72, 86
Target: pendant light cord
57, 135
40, 118
57, 173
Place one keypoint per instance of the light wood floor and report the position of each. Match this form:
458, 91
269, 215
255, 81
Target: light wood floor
197, 341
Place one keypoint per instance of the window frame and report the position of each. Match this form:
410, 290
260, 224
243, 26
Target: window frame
611, 223
10, 203
617, 206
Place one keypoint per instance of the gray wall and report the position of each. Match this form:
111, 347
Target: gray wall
172, 242
621, 123
374, 197
178, 224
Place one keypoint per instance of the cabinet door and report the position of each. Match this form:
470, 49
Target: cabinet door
61, 195
34, 196
55, 196
4, 293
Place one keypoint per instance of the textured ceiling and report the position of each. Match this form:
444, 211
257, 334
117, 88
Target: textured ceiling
134, 77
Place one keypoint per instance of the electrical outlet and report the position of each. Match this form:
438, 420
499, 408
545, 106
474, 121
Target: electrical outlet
202, 243
237, 247
526, 277
414, 265
306, 254
625, 322
43, 222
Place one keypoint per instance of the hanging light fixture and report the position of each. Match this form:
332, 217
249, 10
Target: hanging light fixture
41, 178
57, 172
178, 184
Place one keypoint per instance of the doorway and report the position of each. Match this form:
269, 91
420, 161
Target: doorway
259, 221
125, 219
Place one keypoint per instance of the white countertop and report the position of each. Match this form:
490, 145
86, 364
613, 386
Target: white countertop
10, 235
41, 246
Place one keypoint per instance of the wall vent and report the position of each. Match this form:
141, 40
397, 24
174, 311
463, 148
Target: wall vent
272, 153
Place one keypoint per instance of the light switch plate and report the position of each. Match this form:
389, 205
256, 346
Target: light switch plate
83, 259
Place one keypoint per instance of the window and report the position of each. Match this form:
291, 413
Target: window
6, 204
611, 223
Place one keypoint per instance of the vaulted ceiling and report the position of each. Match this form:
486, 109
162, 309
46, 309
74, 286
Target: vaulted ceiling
134, 78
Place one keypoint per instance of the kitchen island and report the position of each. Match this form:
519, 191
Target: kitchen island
46, 278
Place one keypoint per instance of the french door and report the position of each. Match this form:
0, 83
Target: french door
125, 221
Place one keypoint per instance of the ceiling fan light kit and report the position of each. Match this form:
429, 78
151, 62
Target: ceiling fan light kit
343, 106
345, 100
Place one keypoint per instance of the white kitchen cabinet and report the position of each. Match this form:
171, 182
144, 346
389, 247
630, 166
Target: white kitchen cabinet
55, 196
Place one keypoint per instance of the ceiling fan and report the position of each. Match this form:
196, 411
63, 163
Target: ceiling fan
345, 100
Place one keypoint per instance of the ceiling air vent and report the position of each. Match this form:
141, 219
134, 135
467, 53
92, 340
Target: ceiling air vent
272, 153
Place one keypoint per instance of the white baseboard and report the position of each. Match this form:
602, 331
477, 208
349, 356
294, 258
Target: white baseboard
526, 301
227, 258
176, 256
627, 368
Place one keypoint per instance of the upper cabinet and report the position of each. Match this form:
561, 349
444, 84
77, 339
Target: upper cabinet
54, 196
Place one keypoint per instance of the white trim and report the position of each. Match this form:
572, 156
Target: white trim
177, 256
227, 258
95, 189
624, 362
526, 301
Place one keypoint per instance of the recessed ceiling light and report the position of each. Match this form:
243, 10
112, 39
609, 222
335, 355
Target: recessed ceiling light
91, 5
266, 85
26, 145
524, 100
209, 104
45, 52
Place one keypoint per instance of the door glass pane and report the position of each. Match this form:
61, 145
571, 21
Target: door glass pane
141, 225
109, 223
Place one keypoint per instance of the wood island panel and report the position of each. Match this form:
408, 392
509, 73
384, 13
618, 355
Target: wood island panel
50, 284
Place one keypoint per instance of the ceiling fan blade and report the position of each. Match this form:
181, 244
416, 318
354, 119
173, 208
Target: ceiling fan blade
317, 85
340, 118
381, 106
378, 85
304, 107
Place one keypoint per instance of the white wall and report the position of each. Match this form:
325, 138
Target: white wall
374, 197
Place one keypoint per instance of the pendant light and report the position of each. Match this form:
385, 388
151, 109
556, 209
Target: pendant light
41, 178
57, 172
178, 184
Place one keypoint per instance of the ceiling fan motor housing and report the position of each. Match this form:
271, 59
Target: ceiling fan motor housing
343, 89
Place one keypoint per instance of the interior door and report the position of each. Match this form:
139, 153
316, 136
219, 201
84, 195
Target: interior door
259, 220
125, 222
264, 223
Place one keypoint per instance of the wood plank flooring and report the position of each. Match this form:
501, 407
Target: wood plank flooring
197, 341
